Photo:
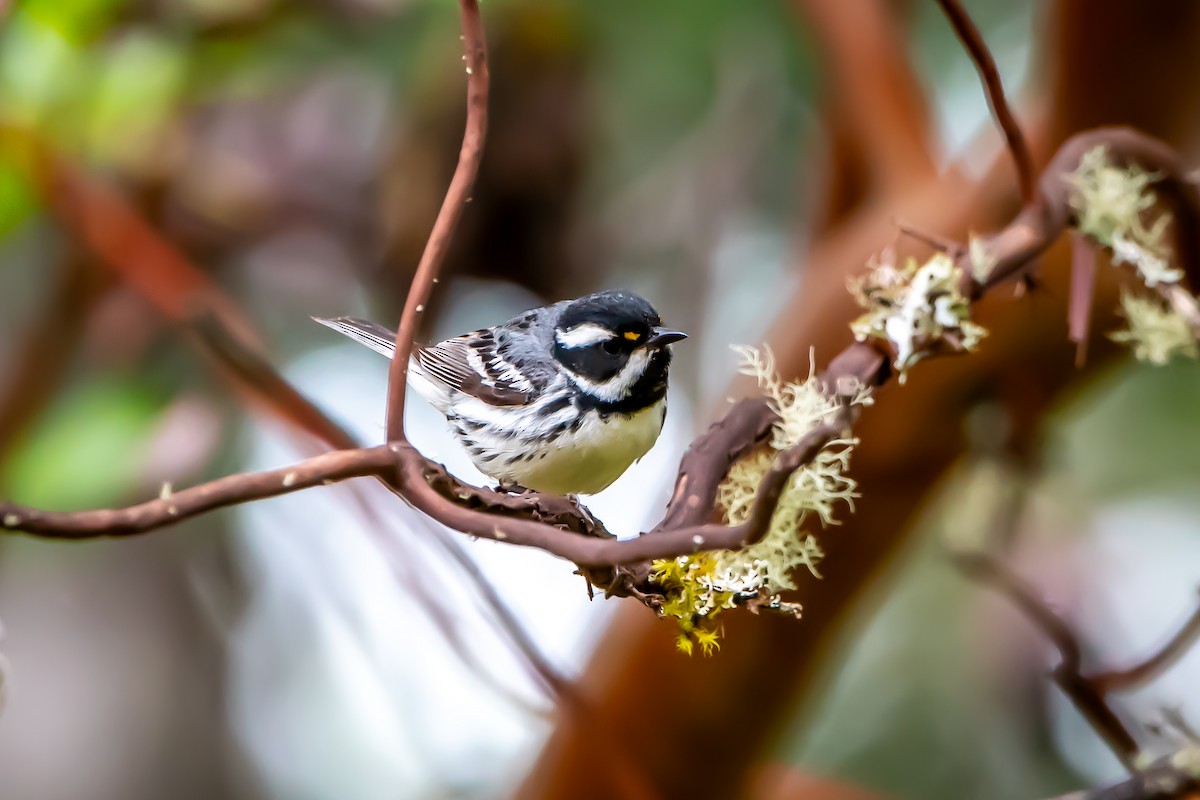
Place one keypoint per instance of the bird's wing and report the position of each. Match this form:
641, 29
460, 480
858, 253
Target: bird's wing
472, 363
475, 365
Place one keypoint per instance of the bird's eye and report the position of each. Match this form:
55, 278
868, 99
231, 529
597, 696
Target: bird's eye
612, 346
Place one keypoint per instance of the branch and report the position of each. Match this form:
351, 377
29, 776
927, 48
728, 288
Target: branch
1088, 693
121, 238
1166, 656
559, 525
708, 459
447, 219
1018, 147
429, 488
172, 507
548, 522
875, 95
42, 353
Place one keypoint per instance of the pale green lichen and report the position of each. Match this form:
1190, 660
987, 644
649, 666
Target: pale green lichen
699, 587
1110, 203
918, 308
1156, 332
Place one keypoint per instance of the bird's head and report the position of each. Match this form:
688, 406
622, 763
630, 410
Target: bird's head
614, 348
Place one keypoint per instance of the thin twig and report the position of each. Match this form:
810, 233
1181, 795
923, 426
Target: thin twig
175, 506
1069, 673
447, 219
987, 569
1018, 147
1088, 693
1170, 652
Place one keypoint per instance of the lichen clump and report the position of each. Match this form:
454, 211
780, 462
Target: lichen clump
918, 308
699, 587
1110, 204
1156, 332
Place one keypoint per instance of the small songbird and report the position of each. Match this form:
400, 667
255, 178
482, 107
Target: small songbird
561, 399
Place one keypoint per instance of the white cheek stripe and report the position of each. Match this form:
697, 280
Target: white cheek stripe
584, 335
617, 387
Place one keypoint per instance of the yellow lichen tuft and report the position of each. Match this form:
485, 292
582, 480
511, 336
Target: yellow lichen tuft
1157, 332
699, 587
917, 308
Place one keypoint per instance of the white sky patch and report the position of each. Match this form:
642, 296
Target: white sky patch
584, 335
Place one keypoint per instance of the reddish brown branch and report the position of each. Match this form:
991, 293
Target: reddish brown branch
709, 458
559, 525
993, 87
249, 366
549, 523
430, 489
447, 219
43, 352
118, 236
172, 507
876, 102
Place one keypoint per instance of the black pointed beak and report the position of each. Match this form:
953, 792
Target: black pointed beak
661, 337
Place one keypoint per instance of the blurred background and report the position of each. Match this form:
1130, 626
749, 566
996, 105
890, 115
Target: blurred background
171, 168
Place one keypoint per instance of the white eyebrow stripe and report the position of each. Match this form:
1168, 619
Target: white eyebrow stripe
583, 335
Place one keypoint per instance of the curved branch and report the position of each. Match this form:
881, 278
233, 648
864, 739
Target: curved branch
429, 488
553, 523
993, 87
1155, 665
447, 219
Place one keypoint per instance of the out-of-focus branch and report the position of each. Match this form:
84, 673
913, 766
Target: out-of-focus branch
447, 219
536, 521
874, 92
108, 226
895, 464
531, 519
1139, 674
42, 353
993, 87
1069, 672
249, 366
1088, 693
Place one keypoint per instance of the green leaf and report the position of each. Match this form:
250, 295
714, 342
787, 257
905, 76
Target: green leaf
88, 450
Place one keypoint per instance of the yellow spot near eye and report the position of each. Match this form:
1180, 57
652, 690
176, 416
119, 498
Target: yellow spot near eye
632, 336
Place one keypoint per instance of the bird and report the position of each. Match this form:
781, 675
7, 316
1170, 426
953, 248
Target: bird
560, 399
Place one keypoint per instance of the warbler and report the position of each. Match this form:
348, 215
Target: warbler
560, 399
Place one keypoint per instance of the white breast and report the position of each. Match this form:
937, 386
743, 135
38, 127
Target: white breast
587, 459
